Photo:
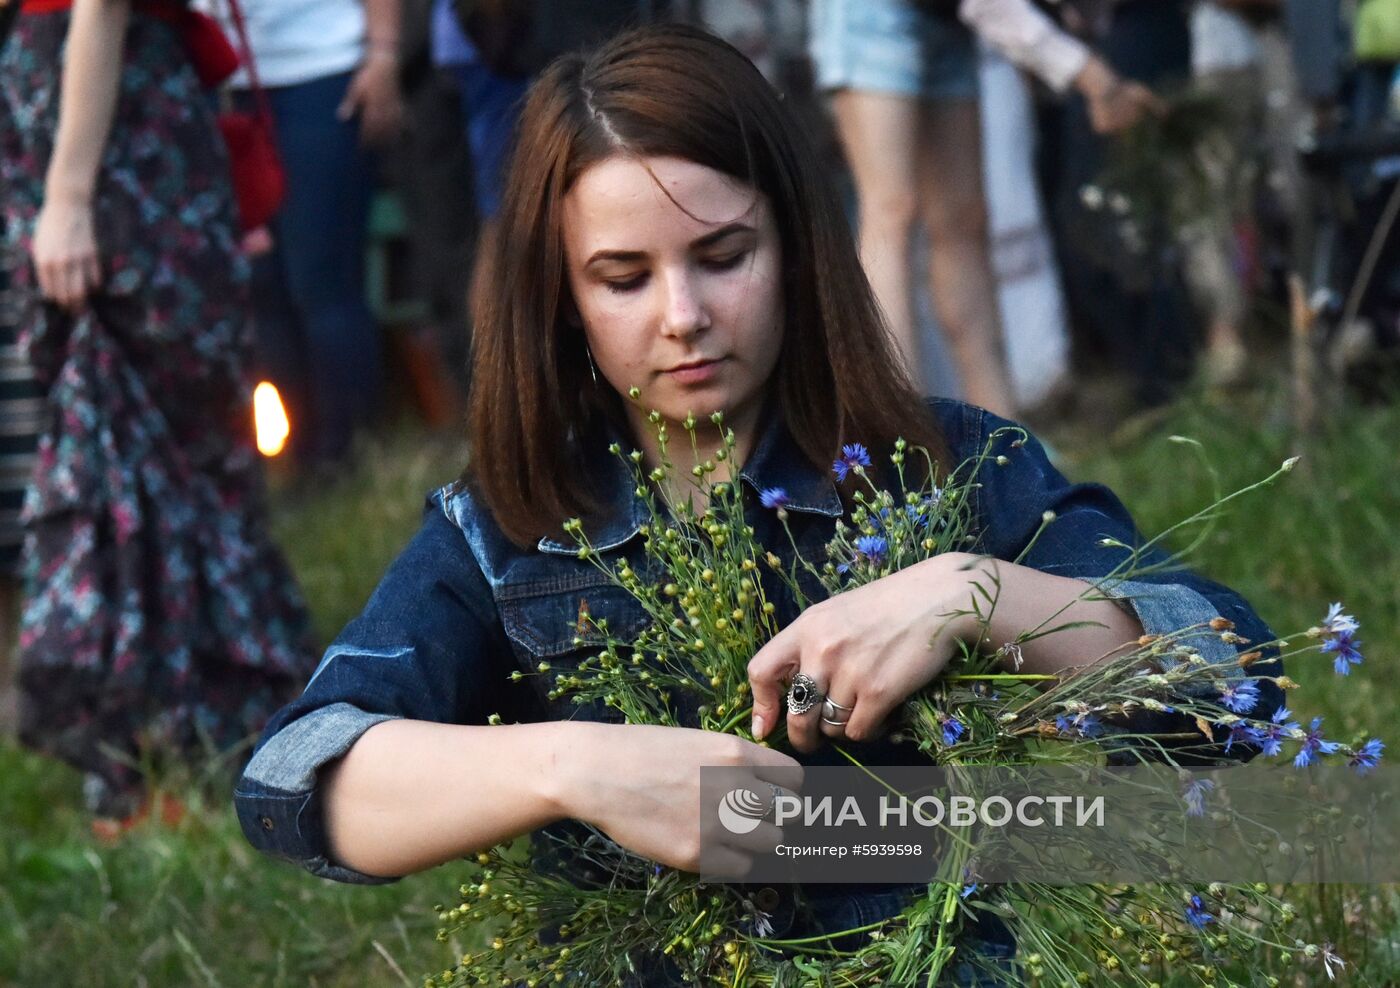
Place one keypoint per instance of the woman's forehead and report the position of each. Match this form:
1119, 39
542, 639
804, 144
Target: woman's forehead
662, 199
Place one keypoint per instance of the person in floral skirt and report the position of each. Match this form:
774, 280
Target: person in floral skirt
159, 616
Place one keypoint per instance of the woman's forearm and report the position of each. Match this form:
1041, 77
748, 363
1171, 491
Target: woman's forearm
92, 65
382, 27
1030, 599
412, 794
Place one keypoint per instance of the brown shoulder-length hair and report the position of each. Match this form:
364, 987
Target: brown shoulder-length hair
662, 91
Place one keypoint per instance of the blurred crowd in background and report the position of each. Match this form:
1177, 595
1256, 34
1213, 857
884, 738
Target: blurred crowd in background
1062, 208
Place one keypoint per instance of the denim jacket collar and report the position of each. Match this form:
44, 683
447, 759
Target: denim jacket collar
776, 461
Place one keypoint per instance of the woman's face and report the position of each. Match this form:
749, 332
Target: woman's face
679, 291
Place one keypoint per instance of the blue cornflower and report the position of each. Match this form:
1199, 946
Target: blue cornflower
1280, 727
1242, 733
1085, 725
1196, 913
1337, 623
872, 549
1345, 645
1195, 796
1313, 744
1240, 697
852, 456
953, 729
774, 497
967, 890
1367, 756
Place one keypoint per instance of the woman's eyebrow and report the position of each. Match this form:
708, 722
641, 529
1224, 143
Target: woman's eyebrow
708, 240
729, 229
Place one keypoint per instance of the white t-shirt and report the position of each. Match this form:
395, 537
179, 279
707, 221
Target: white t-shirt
296, 41
1220, 40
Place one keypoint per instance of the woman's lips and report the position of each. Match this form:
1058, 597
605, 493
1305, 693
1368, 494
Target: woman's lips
696, 373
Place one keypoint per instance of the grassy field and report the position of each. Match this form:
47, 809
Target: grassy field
193, 905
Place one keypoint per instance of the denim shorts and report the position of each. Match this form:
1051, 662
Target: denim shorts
890, 46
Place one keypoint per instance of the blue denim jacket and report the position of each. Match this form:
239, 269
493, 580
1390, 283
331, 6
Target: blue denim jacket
462, 607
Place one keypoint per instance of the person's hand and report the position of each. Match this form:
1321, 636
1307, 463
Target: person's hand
65, 252
867, 649
375, 97
1115, 103
640, 785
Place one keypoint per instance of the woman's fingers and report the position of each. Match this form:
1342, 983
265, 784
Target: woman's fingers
770, 670
68, 285
68, 282
867, 720
837, 714
92, 273
76, 285
760, 840
786, 774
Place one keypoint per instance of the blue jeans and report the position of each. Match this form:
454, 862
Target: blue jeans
490, 105
316, 336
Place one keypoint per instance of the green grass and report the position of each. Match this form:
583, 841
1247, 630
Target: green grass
194, 905
1326, 531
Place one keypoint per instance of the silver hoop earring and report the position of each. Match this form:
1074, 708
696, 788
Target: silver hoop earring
592, 369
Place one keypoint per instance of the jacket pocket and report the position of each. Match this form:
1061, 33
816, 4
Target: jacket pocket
544, 622
546, 619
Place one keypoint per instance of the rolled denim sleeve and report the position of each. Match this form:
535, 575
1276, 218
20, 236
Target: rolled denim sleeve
1012, 500
428, 646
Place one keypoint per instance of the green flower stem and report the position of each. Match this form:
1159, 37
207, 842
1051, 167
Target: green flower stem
956, 837
817, 939
734, 721
1005, 677
942, 950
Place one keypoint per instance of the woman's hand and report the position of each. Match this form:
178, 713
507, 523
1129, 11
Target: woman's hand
375, 97
1115, 103
868, 649
640, 784
65, 252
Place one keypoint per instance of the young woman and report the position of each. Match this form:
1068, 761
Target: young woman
902, 75
159, 613
664, 227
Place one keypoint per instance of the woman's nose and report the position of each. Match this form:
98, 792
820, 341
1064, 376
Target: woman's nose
685, 313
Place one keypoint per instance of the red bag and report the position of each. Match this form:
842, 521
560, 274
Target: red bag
207, 48
259, 180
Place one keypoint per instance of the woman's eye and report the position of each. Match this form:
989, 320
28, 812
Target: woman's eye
626, 284
727, 261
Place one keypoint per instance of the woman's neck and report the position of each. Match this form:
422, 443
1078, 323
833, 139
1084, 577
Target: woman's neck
681, 481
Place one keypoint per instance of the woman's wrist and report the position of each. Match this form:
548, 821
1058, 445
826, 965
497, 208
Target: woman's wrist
962, 623
1096, 80
386, 52
69, 190
576, 760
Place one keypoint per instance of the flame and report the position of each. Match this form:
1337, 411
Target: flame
270, 419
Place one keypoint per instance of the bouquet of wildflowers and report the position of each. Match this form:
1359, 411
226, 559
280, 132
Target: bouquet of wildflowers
708, 589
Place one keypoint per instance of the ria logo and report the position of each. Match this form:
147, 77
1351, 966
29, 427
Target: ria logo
742, 810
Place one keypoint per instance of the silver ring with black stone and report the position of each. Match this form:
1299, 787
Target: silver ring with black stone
803, 694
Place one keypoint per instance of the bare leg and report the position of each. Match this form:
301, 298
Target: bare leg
878, 133
953, 206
